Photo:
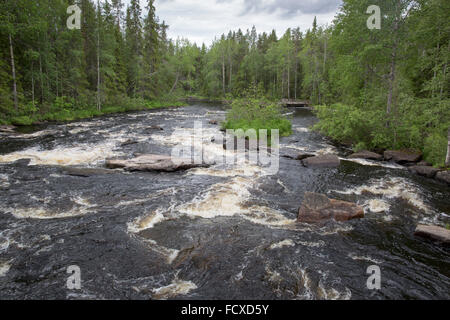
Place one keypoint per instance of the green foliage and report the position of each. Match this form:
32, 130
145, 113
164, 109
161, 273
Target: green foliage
22, 121
253, 113
435, 149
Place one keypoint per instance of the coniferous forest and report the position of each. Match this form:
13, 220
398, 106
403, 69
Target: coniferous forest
373, 89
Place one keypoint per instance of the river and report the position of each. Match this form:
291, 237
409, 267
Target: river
206, 233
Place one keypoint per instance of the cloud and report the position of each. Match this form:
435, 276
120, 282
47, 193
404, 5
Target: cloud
202, 20
290, 7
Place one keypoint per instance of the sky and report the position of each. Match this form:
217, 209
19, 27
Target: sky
201, 21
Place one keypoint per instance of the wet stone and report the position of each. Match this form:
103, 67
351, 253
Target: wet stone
322, 161
434, 233
317, 207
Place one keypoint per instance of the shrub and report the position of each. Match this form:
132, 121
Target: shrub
252, 113
435, 149
22, 121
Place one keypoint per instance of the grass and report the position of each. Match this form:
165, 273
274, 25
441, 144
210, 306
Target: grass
70, 113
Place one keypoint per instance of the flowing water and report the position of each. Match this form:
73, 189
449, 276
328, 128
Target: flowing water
206, 233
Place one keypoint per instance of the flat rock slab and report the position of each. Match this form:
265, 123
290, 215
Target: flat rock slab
402, 156
434, 233
322, 161
366, 155
425, 171
317, 207
85, 172
154, 162
443, 176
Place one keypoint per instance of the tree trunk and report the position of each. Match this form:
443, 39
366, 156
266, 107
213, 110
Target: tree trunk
32, 82
99, 102
175, 84
41, 77
231, 71
13, 70
447, 159
223, 73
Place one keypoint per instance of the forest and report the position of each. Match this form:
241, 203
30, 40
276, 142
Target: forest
370, 88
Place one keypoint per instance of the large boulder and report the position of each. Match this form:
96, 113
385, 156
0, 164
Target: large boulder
443, 176
322, 161
434, 233
366, 155
402, 156
317, 207
425, 171
154, 162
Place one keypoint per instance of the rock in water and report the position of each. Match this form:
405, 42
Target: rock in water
443, 176
402, 156
425, 171
366, 155
213, 121
155, 162
433, 232
317, 207
85, 172
7, 128
323, 161
302, 156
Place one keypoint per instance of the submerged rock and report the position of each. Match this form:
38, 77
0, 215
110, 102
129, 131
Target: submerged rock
434, 233
302, 156
322, 161
298, 156
366, 155
154, 162
128, 142
402, 156
425, 171
7, 128
85, 172
317, 207
424, 163
443, 176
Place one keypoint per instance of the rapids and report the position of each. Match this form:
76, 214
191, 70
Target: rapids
223, 232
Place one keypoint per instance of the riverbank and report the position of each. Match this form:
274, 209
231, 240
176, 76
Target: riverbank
87, 113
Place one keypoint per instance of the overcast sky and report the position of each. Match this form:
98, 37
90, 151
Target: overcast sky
202, 20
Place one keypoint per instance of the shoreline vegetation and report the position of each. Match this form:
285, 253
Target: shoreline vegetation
69, 113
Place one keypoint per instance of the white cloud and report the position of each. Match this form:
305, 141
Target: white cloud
202, 20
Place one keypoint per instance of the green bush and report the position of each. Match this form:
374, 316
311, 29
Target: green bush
22, 121
435, 149
253, 113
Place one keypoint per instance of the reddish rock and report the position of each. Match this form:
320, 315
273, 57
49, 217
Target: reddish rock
323, 161
434, 233
213, 122
366, 155
317, 207
402, 156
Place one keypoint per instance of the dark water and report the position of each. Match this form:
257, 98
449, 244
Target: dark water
206, 233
